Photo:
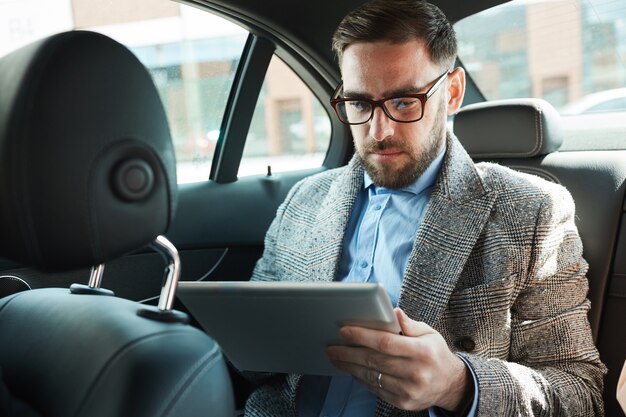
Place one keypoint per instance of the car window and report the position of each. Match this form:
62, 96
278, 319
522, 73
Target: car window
616, 104
571, 53
191, 54
290, 130
193, 70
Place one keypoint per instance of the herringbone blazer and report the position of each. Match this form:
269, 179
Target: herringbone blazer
496, 268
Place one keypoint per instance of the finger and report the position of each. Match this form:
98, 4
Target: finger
368, 359
365, 376
380, 340
411, 327
373, 379
387, 387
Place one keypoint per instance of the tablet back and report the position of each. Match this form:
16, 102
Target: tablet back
285, 326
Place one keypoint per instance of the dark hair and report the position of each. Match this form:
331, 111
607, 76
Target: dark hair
399, 21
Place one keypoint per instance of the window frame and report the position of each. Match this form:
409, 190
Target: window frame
253, 65
239, 110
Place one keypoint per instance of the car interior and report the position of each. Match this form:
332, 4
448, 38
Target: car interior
99, 221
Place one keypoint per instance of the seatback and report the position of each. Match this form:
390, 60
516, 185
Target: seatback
87, 174
526, 134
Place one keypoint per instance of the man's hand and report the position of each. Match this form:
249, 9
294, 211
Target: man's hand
417, 369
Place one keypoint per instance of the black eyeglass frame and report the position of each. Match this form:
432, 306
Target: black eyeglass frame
422, 97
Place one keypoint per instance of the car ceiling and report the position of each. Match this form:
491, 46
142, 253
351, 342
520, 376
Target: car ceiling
307, 26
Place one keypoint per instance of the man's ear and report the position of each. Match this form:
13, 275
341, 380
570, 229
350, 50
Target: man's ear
456, 90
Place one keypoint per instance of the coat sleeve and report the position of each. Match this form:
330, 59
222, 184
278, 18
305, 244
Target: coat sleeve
265, 268
554, 368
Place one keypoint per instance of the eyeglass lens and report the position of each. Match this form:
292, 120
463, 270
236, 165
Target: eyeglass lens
402, 109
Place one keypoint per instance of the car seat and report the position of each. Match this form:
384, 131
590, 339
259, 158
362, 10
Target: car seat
87, 174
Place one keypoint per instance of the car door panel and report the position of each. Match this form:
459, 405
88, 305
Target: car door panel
218, 230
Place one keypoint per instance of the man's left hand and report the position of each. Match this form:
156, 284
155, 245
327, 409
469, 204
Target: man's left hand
417, 369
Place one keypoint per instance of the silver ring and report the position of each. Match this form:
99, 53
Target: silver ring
380, 376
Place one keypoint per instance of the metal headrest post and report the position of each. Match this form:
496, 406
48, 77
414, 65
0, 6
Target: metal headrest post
172, 271
95, 278
165, 311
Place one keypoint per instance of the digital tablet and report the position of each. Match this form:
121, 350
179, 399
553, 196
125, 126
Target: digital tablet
285, 326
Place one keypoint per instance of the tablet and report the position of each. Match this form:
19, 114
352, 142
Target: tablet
285, 326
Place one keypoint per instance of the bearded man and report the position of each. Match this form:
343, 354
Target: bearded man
483, 263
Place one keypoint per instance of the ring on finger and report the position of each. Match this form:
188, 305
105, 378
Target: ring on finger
378, 380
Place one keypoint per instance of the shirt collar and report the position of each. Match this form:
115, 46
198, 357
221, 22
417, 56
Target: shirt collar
427, 179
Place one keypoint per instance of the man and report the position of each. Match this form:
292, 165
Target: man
485, 264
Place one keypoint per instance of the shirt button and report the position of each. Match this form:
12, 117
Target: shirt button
363, 264
467, 344
377, 207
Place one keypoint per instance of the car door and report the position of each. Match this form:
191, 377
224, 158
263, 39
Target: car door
249, 117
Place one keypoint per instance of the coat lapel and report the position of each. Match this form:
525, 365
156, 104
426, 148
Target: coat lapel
457, 212
332, 220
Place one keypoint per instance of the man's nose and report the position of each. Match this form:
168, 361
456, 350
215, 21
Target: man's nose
381, 126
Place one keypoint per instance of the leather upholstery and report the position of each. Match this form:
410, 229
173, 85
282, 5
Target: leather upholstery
109, 361
518, 128
87, 173
69, 122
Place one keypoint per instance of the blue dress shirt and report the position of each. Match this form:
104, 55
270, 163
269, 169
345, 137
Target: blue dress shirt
378, 241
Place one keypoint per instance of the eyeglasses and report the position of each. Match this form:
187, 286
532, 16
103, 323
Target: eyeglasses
403, 108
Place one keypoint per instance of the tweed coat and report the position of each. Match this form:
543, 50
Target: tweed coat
496, 268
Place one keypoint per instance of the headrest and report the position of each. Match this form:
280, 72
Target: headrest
519, 128
87, 167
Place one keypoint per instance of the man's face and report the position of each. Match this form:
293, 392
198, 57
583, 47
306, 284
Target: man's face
395, 154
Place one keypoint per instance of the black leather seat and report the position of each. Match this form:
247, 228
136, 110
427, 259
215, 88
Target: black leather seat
87, 174
526, 135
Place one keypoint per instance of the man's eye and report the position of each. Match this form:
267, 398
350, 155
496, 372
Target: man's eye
359, 106
404, 103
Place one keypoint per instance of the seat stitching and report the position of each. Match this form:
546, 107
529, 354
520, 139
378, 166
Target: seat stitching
536, 171
14, 278
538, 130
533, 152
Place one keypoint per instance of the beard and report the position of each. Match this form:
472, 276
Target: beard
419, 159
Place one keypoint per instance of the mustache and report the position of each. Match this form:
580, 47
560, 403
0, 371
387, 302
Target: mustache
373, 145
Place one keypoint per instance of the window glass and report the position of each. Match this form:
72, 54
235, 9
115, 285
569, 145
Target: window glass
571, 53
191, 54
290, 129
617, 104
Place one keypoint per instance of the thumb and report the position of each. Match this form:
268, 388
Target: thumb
411, 327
